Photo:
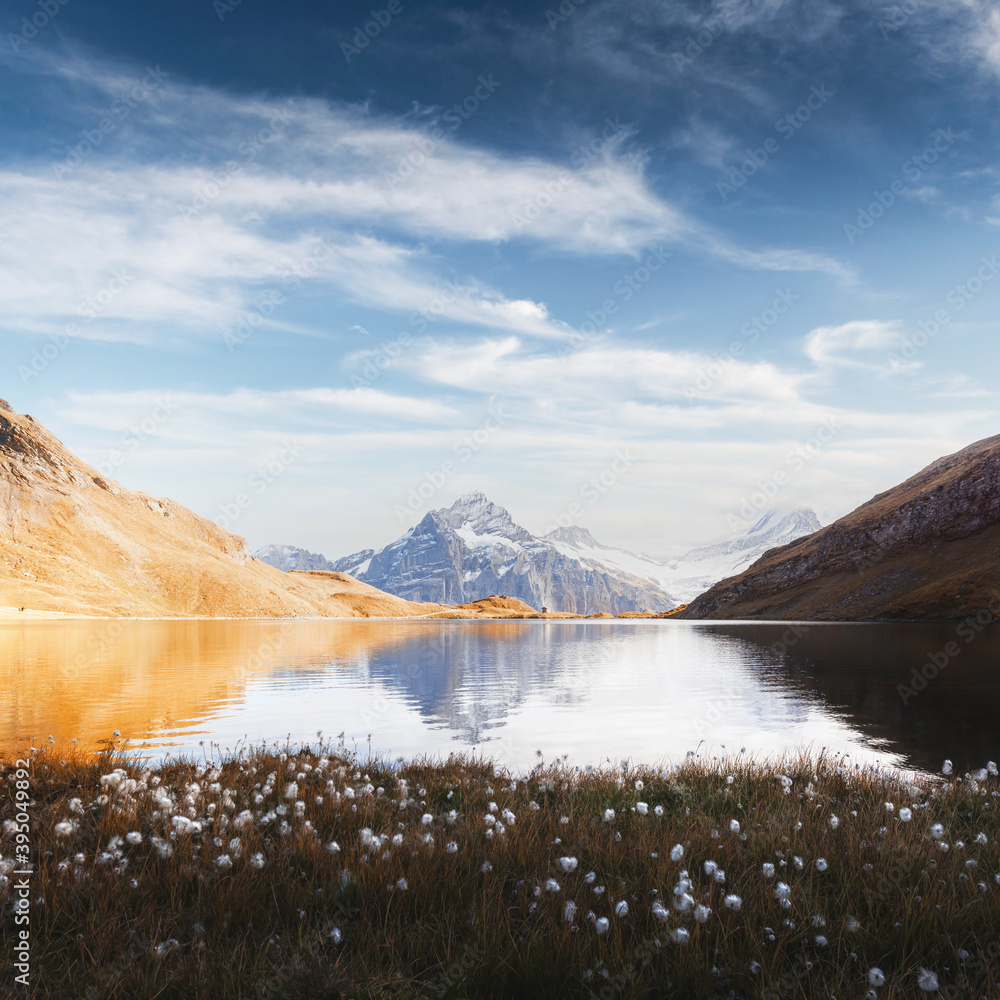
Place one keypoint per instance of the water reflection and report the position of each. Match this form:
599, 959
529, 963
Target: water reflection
593, 690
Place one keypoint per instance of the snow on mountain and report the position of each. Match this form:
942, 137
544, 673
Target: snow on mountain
474, 549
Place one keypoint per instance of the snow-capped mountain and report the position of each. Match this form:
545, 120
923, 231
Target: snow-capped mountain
474, 549
288, 557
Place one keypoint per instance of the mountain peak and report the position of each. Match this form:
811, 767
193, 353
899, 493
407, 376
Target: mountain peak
581, 538
778, 519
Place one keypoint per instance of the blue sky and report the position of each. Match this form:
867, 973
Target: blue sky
629, 265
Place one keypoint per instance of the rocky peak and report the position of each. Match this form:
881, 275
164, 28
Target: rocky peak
578, 537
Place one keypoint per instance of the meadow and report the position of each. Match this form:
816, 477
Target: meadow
280, 872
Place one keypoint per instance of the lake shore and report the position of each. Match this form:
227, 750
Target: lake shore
311, 873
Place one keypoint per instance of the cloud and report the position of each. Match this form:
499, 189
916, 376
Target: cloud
838, 345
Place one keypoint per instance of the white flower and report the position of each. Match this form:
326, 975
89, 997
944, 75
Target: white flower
782, 891
508, 817
658, 810
981, 838
551, 885
927, 980
609, 815
451, 847
621, 909
937, 831
602, 925
821, 941
292, 790
402, 885
710, 867
494, 807
65, 829
991, 766
336, 935
569, 911
834, 822
889, 807
638, 785
224, 862
676, 852
680, 935
852, 924
487, 867
702, 913
257, 861
876, 977
821, 864
334, 847
642, 808
489, 820
683, 901
734, 826
660, 911
166, 947
719, 876
427, 819
733, 902
590, 878
768, 869
946, 767
797, 861
397, 840
568, 864
905, 815
133, 837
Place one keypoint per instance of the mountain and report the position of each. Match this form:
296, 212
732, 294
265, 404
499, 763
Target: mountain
474, 549
75, 542
927, 549
288, 558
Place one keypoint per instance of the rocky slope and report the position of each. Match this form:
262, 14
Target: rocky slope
473, 549
927, 549
288, 558
73, 541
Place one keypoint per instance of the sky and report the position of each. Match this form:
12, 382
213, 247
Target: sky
314, 269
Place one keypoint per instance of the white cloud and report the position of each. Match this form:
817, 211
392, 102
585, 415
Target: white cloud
839, 345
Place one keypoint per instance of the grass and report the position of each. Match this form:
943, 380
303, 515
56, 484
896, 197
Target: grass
129, 898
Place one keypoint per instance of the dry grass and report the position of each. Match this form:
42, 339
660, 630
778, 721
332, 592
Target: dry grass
459, 906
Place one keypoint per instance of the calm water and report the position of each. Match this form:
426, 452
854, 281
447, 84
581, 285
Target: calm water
592, 690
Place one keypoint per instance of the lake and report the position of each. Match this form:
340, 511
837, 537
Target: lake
591, 690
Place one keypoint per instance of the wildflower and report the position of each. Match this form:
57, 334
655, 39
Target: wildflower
551, 885
821, 941
946, 767
489, 819
702, 913
402, 885
768, 869
834, 822
797, 861
991, 766
569, 911
590, 878
292, 790
65, 829
427, 819
734, 826
683, 901
599, 890
494, 807
336, 935
133, 837
937, 831
602, 925
609, 815
719, 876
754, 968
487, 868
334, 847
889, 807
676, 852
852, 924
658, 810
621, 909
638, 785
508, 817
76, 806
642, 808
563, 820
821, 864
451, 847
927, 980
660, 911
782, 891
680, 936
981, 838
257, 861
224, 862
451, 816
166, 947
905, 815
876, 977
710, 867
733, 902
568, 864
